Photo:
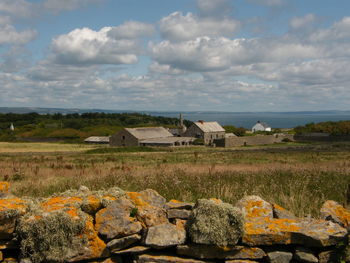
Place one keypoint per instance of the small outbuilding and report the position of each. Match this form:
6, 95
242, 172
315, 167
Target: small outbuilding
208, 131
261, 126
148, 136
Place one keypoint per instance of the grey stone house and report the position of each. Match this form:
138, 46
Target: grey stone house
147, 136
208, 131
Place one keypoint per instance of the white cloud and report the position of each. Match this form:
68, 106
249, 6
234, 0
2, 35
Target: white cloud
179, 27
9, 35
85, 47
217, 54
132, 30
299, 22
338, 31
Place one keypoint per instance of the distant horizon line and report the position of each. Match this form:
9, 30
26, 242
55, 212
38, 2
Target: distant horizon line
155, 111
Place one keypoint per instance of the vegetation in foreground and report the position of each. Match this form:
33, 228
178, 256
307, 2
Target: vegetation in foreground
299, 178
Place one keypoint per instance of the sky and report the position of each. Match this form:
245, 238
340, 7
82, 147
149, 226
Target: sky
183, 55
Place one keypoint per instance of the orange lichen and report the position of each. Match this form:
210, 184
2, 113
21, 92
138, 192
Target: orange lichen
275, 206
13, 204
256, 209
136, 198
4, 187
66, 204
270, 226
217, 201
175, 201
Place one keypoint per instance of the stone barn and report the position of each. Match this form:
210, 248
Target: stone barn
208, 131
148, 136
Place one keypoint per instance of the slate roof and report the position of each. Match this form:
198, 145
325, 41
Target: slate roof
149, 132
209, 126
264, 124
168, 140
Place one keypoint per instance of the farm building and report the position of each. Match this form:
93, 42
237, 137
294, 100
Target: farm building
208, 131
97, 139
148, 136
261, 126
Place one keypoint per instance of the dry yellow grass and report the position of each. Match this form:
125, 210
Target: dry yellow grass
298, 179
8, 147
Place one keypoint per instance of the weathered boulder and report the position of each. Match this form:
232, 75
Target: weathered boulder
132, 250
165, 235
279, 257
311, 233
335, 212
159, 258
282, 213
10, 211
254, 207
215, 223
115, 220
57, 230
150, 207
305, 255
178, 213
215, 252
120, 243
175, 204
260, 228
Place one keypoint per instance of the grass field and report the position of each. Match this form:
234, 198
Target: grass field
298, 177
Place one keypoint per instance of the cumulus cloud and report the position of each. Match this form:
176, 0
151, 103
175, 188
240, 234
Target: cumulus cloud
179, 27
338, 31
215, 54
132, 30
86, 46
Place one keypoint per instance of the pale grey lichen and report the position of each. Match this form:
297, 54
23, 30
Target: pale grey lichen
51, 237
215, 223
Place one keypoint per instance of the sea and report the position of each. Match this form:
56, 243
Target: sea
273, 119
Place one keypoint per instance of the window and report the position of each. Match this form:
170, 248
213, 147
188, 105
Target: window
123, 137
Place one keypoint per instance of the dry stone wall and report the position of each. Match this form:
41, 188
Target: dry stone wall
142, 227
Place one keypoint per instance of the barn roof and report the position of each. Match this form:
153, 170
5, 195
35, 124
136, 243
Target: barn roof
97, 139
149, 132
168, 140
209, 126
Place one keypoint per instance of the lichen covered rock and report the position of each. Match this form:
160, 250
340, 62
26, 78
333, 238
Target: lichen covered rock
116, 221
254, 207
10, 211
335, 212
57, 230
165, 235
311, 233
150, 207
215, 223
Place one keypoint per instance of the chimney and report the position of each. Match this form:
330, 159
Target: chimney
201, 121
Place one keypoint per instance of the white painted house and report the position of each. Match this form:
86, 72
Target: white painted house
261, 126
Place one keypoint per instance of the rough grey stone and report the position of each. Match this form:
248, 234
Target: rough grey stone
163, 258
132, 250
165, 235
173, 204
120, 243
114, 221
178, 213
212, 252
305, 255
279, 257
215, 223
329, 257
